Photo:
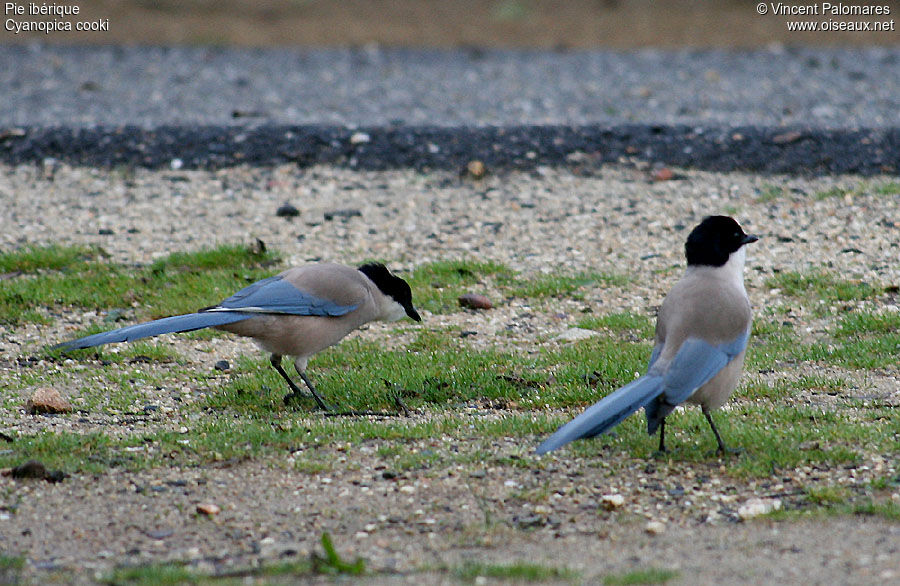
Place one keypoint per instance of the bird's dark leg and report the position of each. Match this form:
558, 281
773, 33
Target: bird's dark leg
330, 411
723, 449
312, 389
275, 360
662, 436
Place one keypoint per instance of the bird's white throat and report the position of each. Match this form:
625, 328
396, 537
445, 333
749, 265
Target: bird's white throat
735, 265
393, 311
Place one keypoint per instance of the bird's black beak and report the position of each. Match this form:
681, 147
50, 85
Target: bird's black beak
749, 238
411, 312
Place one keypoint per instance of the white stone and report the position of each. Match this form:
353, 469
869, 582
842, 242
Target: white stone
756, 506
575, 334
612, 501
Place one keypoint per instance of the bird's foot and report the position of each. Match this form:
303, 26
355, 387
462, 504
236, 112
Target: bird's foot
401, 406
294, 400
398, 400
726, 451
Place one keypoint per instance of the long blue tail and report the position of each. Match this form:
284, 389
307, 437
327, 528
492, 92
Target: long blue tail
606, 413
166, 325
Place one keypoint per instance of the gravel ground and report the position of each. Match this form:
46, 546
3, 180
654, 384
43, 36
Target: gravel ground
611, 219
154, 86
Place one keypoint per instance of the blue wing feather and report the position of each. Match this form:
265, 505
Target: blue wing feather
657, 350
606, 413
167, 325
694, 365
275, 295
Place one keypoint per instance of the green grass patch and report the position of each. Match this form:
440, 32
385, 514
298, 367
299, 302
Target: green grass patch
171, 574
309, 441
516, 572
11, 568
822, 285
887, 188
640, 326
437, 286
784, 387
886, 509
772, 437
862, 340
179, 283
564, 285
182, 282
439, 369
228, 256
832, 192
869, 322
70, 452
775, 437
771, 342
30, 259
827, 495
770, 193
332, 563
828, 502
647, 576
859, 353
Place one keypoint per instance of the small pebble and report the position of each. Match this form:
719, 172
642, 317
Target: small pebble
287, 210
476, 169
47, 400
756, 506
612, 501
360, 138
208, 509
655, 527
474, 301
342, 214
33, 469
787, 137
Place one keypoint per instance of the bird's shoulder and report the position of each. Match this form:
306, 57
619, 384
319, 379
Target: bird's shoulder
333, 282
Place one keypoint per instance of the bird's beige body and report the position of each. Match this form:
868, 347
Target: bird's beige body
301, 336
709, 303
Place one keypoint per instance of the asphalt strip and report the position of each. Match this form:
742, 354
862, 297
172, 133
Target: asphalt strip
765, 150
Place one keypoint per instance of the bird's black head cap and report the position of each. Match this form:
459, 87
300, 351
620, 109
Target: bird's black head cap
714, 240
391, 285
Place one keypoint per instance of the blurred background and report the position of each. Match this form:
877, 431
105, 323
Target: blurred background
574, 24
